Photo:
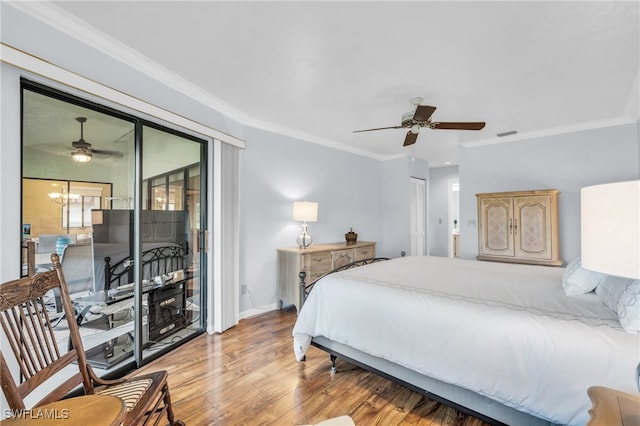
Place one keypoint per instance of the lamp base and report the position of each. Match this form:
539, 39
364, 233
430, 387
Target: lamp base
304, 240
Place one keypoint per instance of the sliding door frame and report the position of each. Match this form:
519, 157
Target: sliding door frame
138, 122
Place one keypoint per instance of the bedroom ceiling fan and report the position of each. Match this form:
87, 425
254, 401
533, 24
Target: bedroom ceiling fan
421, 117
83, 152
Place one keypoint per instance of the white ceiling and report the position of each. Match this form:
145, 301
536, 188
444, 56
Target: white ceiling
319, 70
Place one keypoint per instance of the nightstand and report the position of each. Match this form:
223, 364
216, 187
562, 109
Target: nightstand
612, 407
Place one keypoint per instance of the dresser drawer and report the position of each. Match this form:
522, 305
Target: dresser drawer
314, 274
317, 261
341, 257
362, 253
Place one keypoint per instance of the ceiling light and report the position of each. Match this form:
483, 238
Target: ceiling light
81, 155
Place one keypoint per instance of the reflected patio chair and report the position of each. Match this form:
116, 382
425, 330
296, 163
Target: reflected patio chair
77, 264
47, 242
34, 366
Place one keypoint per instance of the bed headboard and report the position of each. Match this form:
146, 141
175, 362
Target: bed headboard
156, 262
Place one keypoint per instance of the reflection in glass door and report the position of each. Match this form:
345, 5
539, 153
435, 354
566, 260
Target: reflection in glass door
138, 251
171, 226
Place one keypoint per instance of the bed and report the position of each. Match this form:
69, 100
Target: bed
114, 265
162, 231
501, 341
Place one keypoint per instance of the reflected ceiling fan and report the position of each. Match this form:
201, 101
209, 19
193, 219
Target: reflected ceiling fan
82, 150
421, 117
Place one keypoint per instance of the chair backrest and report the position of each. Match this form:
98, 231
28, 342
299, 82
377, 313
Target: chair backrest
36, 354
47, 242
77, 264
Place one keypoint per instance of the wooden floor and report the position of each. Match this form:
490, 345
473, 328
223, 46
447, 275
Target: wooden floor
248, 375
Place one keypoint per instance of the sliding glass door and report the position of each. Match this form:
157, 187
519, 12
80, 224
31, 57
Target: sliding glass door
172, 169
120, 199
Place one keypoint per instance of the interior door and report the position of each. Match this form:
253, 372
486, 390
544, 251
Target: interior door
418, 216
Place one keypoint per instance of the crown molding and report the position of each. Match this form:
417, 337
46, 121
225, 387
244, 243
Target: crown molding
590, 125
69, 24
49, 71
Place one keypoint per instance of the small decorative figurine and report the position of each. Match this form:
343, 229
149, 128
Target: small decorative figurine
351, 237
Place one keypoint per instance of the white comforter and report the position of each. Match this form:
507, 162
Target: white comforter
506, 331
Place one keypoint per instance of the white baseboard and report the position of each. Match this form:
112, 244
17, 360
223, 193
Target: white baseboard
258, 311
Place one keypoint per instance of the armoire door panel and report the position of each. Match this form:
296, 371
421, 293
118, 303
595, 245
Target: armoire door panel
520, 226
497, 226
532, 230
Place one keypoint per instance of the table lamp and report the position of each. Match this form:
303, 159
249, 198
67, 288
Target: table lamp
305, 211
610, 231
610, 228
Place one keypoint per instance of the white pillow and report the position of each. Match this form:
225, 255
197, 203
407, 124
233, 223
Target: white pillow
622, 295
577, 280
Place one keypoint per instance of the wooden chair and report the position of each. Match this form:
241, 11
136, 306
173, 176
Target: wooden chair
37, 356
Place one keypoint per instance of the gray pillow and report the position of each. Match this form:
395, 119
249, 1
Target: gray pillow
577, 280
622, 295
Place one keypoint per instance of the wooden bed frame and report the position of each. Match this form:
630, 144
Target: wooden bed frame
462, 399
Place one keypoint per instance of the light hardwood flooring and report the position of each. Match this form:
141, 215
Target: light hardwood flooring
248, 375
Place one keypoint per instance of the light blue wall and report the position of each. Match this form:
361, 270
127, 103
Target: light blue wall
566, 162
396, 193
277, 170
10, 173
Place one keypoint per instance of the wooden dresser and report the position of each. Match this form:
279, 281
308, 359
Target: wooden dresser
315, 261
519, 227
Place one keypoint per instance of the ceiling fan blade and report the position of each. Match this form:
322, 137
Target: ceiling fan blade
410, 139
379, 128
459, 125
103, 152
423, 112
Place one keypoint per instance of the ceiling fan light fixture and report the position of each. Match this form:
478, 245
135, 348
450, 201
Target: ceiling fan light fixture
81, 155
416, 100
415, 129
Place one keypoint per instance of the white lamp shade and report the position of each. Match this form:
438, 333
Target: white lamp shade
610, 228
305, 211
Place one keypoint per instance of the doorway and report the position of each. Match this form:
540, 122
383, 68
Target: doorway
453, 226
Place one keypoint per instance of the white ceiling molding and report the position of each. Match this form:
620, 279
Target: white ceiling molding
550, 132
591, 31
67, 23
37, 66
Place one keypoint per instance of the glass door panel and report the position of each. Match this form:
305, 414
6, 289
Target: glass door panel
172, 234
129, 258
81, 211
159, 193
176, 191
